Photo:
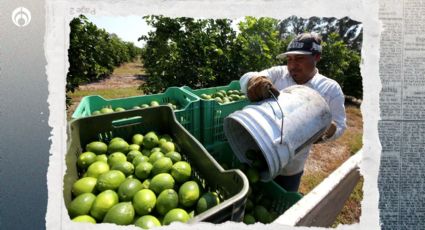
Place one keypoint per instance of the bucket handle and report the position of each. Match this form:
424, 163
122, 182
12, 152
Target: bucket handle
281, 125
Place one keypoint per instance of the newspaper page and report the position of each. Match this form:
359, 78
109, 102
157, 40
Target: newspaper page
402, 103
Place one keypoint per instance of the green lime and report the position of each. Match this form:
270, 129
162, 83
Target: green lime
259, 164
206, 201
126, 167
166, 137
97, 147
162, 165
102, 157
133, 154
121, 214
128, 188
110, 180
218, 99
146, 152
119, 109
137, 139
139, 159
147, 222
84, 185
96, 112
261, 214
181, 171
85, 160
103, 202
174, 156
106, 110
253, 175
150, 140
167, 200
84, 219
251, 154
249, 219
116, 157
189, 193
176, 214
143, 106
161, 182
97, 168
144, 201
156, 149
154, 103
143, 170
116, 139
133, 147
155, 156
167, 147
81, 205
118, 146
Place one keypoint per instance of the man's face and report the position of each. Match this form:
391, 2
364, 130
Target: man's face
302, 66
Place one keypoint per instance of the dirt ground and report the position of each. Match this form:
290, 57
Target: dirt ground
124, 76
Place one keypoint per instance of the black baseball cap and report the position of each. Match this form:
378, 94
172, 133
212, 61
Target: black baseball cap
306, 43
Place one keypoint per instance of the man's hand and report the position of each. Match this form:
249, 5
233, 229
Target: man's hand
259, 88
328, 133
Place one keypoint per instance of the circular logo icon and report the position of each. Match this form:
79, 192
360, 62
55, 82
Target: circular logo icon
21, 16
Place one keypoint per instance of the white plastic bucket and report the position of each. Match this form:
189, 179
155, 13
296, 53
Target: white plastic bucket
306, 116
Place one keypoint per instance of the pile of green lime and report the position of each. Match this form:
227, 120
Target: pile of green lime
108, 109
258, 207
223, 97
143, 181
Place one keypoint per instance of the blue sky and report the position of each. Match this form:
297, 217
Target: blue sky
128, 28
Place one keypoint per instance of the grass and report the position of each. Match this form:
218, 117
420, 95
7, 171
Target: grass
129, 69
355, 143
309, 182
351, 211
108, 93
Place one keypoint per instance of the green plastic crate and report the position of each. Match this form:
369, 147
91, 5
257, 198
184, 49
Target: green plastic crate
188, 114
213, 113
231, 185
282, 199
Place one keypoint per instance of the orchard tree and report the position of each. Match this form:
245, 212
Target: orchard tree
341, 63
260, 43
94, 53
186, 51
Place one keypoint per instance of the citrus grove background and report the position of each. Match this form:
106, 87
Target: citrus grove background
204, 53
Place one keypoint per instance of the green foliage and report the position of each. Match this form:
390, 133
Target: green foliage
93, 53
205, 52
185, 51
341, 63
260, 43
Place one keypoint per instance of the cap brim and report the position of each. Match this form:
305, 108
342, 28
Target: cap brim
283, 55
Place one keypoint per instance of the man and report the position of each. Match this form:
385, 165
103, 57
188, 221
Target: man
302, 55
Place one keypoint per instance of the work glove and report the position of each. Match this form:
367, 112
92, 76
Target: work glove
260, 88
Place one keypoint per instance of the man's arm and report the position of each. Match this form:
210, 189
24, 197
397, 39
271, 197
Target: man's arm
338, 126
256, 85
